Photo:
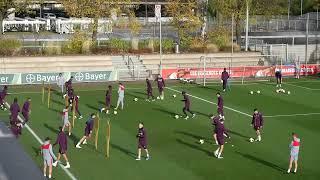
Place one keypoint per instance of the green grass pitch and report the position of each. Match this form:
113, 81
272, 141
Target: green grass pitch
173, 143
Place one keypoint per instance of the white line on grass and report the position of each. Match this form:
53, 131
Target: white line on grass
41, 142
291, 115
87, 90
240, 112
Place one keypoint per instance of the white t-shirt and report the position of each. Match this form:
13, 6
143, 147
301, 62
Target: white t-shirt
121, 91
60, 81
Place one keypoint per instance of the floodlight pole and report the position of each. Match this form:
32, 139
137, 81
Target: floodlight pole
232, 20
247, 26
301, 4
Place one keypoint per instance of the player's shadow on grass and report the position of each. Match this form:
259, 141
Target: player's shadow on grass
73, 138
194, 146
238, 134
196, 137
200, 113
261, 161
215, 88
57, 102
165, 111
129, 153
103, 104
92, 107
133, 95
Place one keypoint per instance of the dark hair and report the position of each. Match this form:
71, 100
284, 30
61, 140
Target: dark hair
60, 128
15, 100
92, 114
47, 139
224, 69
183, 92
255, 109
71, 77
5, 87
141, 123
218, 93
210, 115
109, 86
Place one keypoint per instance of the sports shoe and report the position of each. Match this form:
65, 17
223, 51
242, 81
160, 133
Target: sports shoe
138, 159
193, 115
67, 166
102, 109
84, 142
69, 133
80, 117
55, 164
147, 158
186, 118
78, 146
220, 157
216, 154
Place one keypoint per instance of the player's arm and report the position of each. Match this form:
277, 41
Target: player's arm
51, 153
164, 85
252, 122
261, 119
57, 141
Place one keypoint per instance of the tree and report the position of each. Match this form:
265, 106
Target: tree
5, 5
96, 9
237, 8
184, 16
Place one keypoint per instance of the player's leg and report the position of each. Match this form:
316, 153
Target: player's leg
57, 160
185, 113
69, 128
50, 170
147, 152
118, 103
216, 152
79, 113
295, 164
80, 142
193, 114
139, 154
44, 168
215, 138
220, 151
122, 102
224, 84
67, 161
290, 164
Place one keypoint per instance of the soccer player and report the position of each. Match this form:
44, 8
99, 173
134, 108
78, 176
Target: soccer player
220, 104
220, 130
120, 96
142, 141
224, 79
76, 100
62, 140
16, 125
215, 121
278, 75
149, 90
68, 84
70, 96
60, 82
257, 123
65, 118
26, 109
294, 152
3, 95
161, 85
187, 105
297, 68
87, 131
108, 100
48, 157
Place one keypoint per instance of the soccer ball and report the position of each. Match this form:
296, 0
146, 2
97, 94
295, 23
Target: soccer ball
289, 92
277, 90
176, 116
158, 97
251, 92
174, 95
115, 112
258, 92
201, 141
135, 99
251, 139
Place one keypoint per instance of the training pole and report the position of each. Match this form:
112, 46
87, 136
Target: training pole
97, 125
49, 94
108, 139
73, 112
42, 91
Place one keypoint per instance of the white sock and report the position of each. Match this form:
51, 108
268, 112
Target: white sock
295, 170
289, 170
44, 175
85, 141
259, 137
49, 176
219, 155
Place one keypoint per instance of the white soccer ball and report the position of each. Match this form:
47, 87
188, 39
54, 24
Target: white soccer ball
289, 92
201, 141
115, 112
251, 92
176, 116
158, 97
135, 99
277, 91
174, 95
258, 92
251, 139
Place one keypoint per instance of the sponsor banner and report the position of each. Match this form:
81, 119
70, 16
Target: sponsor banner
50, 78
254, 71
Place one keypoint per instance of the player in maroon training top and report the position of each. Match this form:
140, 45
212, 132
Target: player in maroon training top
187, 105
62, 140
108, 100
220, 105
68, 84
76, 102
257, 123
87, 131
149, 90
3, 95
224, 78
15, 123
161, 85
26, 109
142, 141
220, 130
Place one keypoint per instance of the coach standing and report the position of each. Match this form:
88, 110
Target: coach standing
224, 79
60, 82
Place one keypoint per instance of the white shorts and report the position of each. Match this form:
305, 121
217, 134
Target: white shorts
47, 162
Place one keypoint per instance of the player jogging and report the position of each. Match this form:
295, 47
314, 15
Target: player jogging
87, 131
149, 90
294, 152
257, 123
62, 140
60, 82
278, 75
108, 100
224, 79
215, 120
161, 85
220, 104
220, 130
76, 100
142, 141
187, 104
3, 95
26, 109
48, 157
65, 119
120, 96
